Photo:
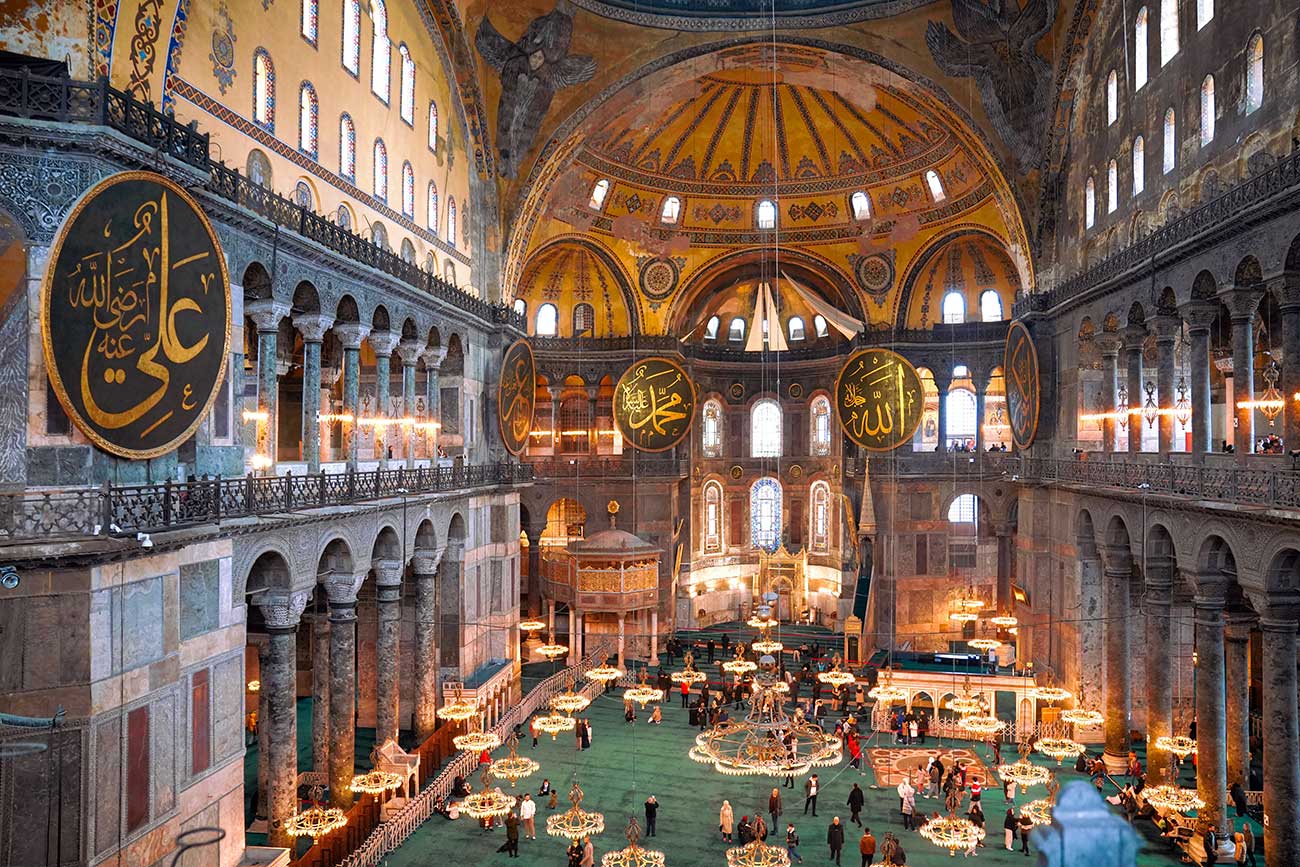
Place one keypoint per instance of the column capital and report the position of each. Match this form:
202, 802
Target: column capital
410, 349
1286, 286
1241, 301
1133, 336
312, 326
1108, 343
1238, 624
1199, 314
1211, 592
942, 377
1117, 559
351, 333
383, 342
1277, 612
1165, 326
433, 357
424, 563
341, 588
281, 610
266, 314
388, 572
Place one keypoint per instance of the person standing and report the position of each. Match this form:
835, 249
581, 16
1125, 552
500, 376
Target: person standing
908, 806
710, 646
726, 821
855, 750
936, 777
1009, 829
855, 802
532, 729
1239, 849
588, 854
512, 835
867, 847
1249, 836
527, 810
774, 807
1024, 826
651, 812
686, 693
760, 828
811, 787
577, 737
792, 844
975, 790
835, 839
744, 833
575, 854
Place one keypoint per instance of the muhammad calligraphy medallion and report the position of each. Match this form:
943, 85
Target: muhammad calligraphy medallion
516, 395
654, 404
135, 315
879, 399
1024, 388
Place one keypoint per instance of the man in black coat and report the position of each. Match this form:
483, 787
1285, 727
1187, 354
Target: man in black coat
835, 838
651, 812
856, 799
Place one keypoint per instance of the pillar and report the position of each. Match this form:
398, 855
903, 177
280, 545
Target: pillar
1108, 343
1091, 624
575, 632
266, 315
312, 327
1241, 302
350, 335
1287, 288
1281, 737
1004, 602
424, 569
654, 636
281, 612
1134, 335
342, 592
1200, 315
1236, 666
593, 395
320, 689
383, 343
388, 587
409, 350
1166, 328
942, 382
981, 389
263, 730
621, 618
433, 359
1117, 574
535, 573
550, 616
1211, 716
1160, 697
555, 391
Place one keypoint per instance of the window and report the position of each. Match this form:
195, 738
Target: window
990, 306
1140, 50
451, 221
380, 48
380, 173
671, 210
766, 215
1207, 110
712, 518
765, 514
819, 325
935, 185
1089, 204
861, 206
307, 120
736, 330
263, 90
1112, 97
432, 220
820, 417
711, 329
954, 309
347, 148
821, 517
521, 306
575, 423
1254, 73
961, 415
795, 327
1168, 30
960, 371
584, 319
407, 101
598, 193
449, 272
352, 35
408, 189
548, 320
344, 218
1170, 143
1112, 187
711, 430
964, 510
765, 430
1204, 12
310, 13
1139, 165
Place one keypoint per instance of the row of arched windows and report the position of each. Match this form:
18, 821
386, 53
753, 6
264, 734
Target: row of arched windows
548, 318
795, 328
954, 307
765, 516
766, 428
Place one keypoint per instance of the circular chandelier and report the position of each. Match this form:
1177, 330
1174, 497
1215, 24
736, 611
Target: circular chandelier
1004, 621
458, 710
836, 677
964, 615
1174, 798
254, 686
971, 603
487, 801
551, 650
763, 621
569, 702
643, 693
514, 767
476, 742
980, 724
575, 823
1023, 772
315, 822
952, 833
1178, 745
375, 783
966, 704
603, 674
1039, 812
555, 723
1059, 748
1081, 717
885, 692
758, 854
739, 665
985, 644
767, 646
1050, 694
632, 855
531, 625
688, 675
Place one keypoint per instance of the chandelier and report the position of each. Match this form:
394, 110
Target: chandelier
980, 724
739, 665
1150, 409
964, 615
836, 677
254, 686
550, 649
966, 704
1122, 407
688, 675
1081, 717
1039, 812
1059, 748
569, 701
514, 767
487, 801
476, 742
1270, 403
763, 621
885, 692
1023, 772
555, 723
316, 821
952, 833
375, 783
458, 710
1174, 798
1003, 621
767, 646
1178, 745
575, 823
531, 625
758, 854
632, 855
643, 693
603, 674
985, 644
1182, 406
1048, 693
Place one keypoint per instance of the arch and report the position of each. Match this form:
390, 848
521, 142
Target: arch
351, 45
1141, 46
379, 171
258, 169
711, 328
1207, 110
765, 429
432, 204
380, 321
1254, 72
269, 571
711, 422
1248, 272
712, 519
381, 60
548, 321
765, 513
765, 214
408, 190
347, 147
819, 516
970, 251
1085, 535
991, 306
410, 331
263, 90
964, 508
1139, 166
1204, 286
406, 96
305, 298
819, 423
1215, 558
256, 282
1117, 536
347, 311
1283, 572
308, 118
335, 556
577, 266
388, 545
426, 537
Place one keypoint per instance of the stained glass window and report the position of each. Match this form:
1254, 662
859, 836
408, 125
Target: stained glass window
347, 148
407, 106
380, 51
310, 13
451, 221
765, 429
307, 120
433, 207
263, 90
1207, 110
381, 171
433, 126
352, 35
712, 517
1255, 73
344, 218
821, 516
302, 195
765, 514
408, 190
711, 430
821, 425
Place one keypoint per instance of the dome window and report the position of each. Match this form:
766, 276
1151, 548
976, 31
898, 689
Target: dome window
711, 329
671, 211
861, 206
766, 214
598, 193
936, 186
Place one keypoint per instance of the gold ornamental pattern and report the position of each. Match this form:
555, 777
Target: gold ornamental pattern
654, 404
1024, 385
879, 399
135, 315
516, 396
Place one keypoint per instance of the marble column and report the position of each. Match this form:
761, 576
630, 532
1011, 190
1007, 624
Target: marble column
1200, 315
981, 388
1287, 288
281, 612
1158, 651
388, 587
312, 327
942, 382
409, 350
1166, 328
621, 618
1211, 714
383, 343
1242, 301
1108, 343
1092, 668
534, 571
575, 632
550, 617
1236, 666
263, 729
320, 689
350, 335
1003, 600
433, 359
593, 396
555, 391
654, 636
1134, 335
1117, 574
424, 569
1281, 735
342, 591
266, 315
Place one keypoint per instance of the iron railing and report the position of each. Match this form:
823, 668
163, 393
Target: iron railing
582, 466
1246, 485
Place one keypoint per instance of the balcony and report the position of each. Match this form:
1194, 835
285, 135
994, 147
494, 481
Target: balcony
608, 467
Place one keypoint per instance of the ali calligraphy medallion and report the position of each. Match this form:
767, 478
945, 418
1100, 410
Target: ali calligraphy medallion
135, 315
654, 404
879, 399
1024, 391
516, 395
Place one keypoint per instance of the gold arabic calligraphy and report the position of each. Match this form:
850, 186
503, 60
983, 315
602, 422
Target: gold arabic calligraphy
1023, 389
654, 403
517, 395
879, 399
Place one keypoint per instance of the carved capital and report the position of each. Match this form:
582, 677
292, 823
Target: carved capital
1108, 344
1117, 560
383, 342
351, 333
1278, 612
1241, 301
1134, 336
410, 350
388, 573
341, 588
266, 314
282, 611
312, 326
1165, 327
1211, 591
1199, 314
1238, 624
424, 563
1286, 286
434, 357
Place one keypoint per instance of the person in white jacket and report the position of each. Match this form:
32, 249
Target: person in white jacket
527, 810
906, 802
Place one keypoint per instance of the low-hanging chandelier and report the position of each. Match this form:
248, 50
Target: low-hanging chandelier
952, 832
603, 673
1080, 716
375, 782
476, 742
985, 644
570, 701
1174, 798
836, 677
1059, 748
1023, 772
458, 710
981, 724
316, 821
633, 854
488, 801
884, 692
756, 853
643, 693
688, 675
575, 823
1004, 621
550, 649
555, 723
739, 665
514, 767
1039, 812
1177, 744
531, 625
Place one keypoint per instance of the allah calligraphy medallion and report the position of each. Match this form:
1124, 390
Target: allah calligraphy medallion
516, 395
135, 315
654, 404
1024, 388
879, 399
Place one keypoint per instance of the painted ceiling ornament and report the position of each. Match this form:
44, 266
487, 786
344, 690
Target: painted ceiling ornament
532, 70
875, 273
996, 44
658, 278
223, 49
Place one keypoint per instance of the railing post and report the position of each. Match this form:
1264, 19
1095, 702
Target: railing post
322, 498
287, 481
167, 503
248, 494
376, 488
106, 506
216, 498
352, 485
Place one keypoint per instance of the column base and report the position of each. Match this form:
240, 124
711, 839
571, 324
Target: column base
1115, 764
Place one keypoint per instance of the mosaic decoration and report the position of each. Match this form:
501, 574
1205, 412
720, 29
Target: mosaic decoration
1024, 388
654, 404
875, 274
105, 18
516, 396
144, 48
879, 399
174, 47
795, 390
765, 514
659, 278
135, 315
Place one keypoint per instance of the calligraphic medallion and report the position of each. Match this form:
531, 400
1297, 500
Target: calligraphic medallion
516, 395
1024, 387
135, 315
879, 399
654, 404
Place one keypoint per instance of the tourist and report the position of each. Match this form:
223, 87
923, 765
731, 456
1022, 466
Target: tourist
913, 730
527, 810
744, 831
554, 800
922, 726
1009, 791
867, 847
907, 805
1238, 797
760, 828
574, 852
629, 711
855, 751
976, 816
792, 844
936, 777
996, 745
774, 806
1024, 826
532, 729
1249, 836
1009, 825
710, 646
975, 790
686, 692
1134, 767
891, 850
657, 716
1239, 848
811, 787
726, 821
577, 736
835, 838
651, 812
586, 736
588, 854
855, 802
546, 787
1210, 843
512, 835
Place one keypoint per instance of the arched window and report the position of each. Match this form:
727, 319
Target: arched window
961, 415
766, 214
598, 193
796, 328
861, 206
433, 126
819, 325
548, 320
433, 208
263, 90
711, 429
1170, 142
1168, 30
407, 101
964, 510
344, 218
765, 430
310, 13
584, 319
258, 169
671, 210
936, 185
1207, 110
575, 424
1140, 50
990, 306
307, 120
1112, 187
1139, 165
1254, 73
381, 50
821, 517
352, 36
520, 306
765, 514
302, 196
820, 417
1112, 97
449, 272
408, 190
712, 518
1089, 204
347, 148
954, 308
1204, 12
381, 171
451, 221
736, 330
711, 328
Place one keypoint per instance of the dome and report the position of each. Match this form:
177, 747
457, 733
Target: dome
612, 542
568, 273
970, 264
